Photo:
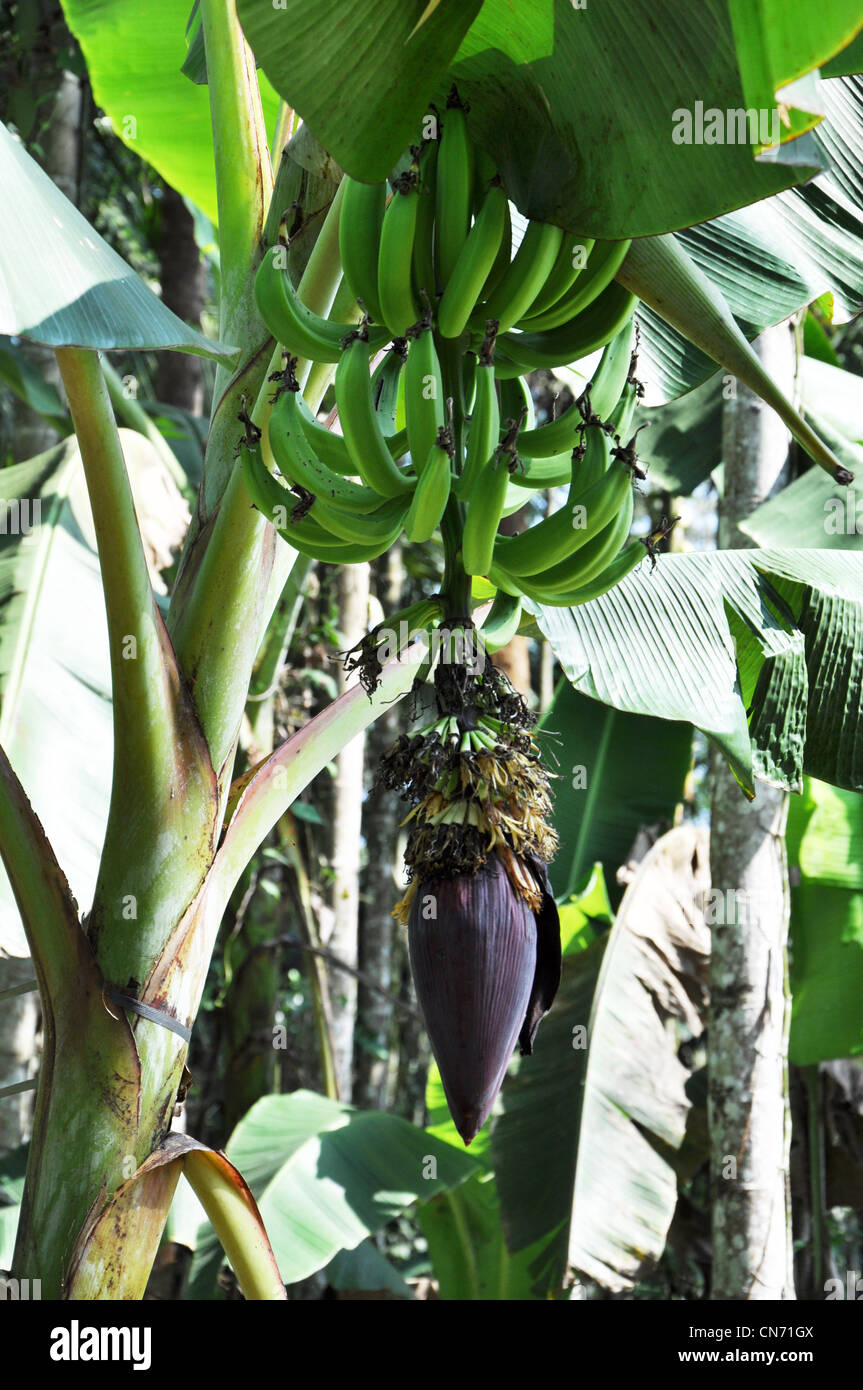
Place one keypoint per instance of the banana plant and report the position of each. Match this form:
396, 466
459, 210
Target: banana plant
120, 989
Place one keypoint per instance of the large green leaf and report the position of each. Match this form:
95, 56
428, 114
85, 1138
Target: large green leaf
325, 1177
599, 806
366, 1268
597, 90
771, 258
463, 1228
361, 75
835, 396
825, 843
776, 44
134, 56
30, 386
813, 510
62, 285
588, 1138
55, 682
661, 643
55, 717
683, 446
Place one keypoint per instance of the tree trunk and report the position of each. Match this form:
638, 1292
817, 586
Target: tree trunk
749, 1012
180, 379
353, 585
19, 1018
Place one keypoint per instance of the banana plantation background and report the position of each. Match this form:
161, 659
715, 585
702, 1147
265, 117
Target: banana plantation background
690, 1124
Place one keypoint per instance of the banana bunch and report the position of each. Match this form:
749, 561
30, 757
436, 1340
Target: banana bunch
435, 418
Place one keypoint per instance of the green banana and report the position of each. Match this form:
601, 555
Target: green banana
331, 448
622, 565
485, 503
594, 457
603, 394
468, 382
501, 621
453, 189
585, 564
484, 426
384, 524
298, 461
527, 273
543, 473
603, 264
304, 333
432, 491
515, 500
424, 273
484, 170
557, 437
516, 400
303, 533
612, 374
558, 535
425, 412
368, 449
387, 387
320, 374
399, 308
313, 540
589, 330
501, 260
360, 222
571, 261
506, 368
620, 420
474, 264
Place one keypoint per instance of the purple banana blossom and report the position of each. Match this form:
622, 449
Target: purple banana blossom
486, 968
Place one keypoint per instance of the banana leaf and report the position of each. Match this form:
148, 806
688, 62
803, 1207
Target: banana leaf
326, 1176
757, 648
825, 846
601, 1109
597, 91
599, 806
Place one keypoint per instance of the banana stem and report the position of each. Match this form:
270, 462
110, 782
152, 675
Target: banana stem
229, 590
662, 273
456, 587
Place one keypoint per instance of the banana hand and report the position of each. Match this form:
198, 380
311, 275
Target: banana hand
299, 462
622, 565
603, 263
568, 529
589, 330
